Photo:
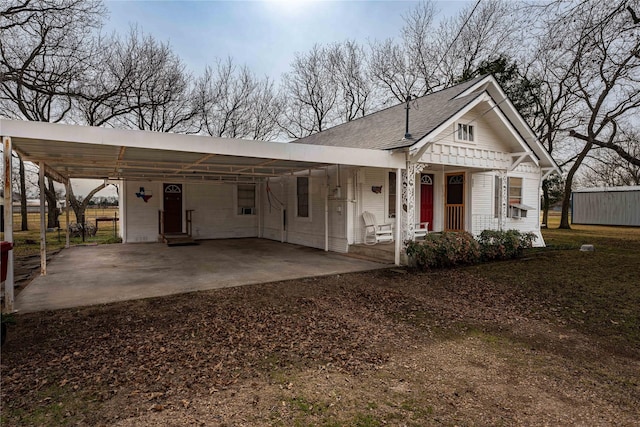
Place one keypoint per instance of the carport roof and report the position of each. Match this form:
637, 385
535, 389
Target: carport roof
71, 151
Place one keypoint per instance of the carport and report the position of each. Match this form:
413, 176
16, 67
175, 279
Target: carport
110, 273
65, 152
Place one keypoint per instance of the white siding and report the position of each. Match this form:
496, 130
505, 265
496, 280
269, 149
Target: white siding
367, 200
142, 217
215, 213
482, 202
309, 231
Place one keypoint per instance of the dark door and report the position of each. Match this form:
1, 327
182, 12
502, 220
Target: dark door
426, 199
173, 208
455, 202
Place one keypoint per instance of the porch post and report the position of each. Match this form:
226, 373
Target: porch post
409, 198
504, 200
8, 222
326, 211
66, 198
43, 225
259, 211
398, 216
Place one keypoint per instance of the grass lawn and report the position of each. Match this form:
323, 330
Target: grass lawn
550, 339
27, 243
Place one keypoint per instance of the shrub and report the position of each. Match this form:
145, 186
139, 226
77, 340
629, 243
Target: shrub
500, 245
449, 249
446, 249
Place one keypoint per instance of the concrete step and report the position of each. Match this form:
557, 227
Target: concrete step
179, 239
380, 252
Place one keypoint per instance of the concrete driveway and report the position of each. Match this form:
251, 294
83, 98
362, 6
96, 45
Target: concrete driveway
88, 275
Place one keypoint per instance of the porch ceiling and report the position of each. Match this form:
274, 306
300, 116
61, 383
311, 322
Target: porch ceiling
129, 163
102, 153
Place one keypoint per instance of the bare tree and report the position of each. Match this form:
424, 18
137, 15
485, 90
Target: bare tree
356, 91
394, 72
605, 168
79, 206
309, 94
605, 74
105, 90
45, 46
160, 93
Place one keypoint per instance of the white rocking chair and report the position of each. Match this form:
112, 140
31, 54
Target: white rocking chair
375, 233
421, 230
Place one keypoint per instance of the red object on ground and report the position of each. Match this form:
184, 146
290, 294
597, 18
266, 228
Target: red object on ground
6, 247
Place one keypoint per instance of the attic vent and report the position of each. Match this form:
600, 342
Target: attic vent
407, 135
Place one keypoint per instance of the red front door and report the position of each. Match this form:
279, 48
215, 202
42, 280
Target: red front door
426, 199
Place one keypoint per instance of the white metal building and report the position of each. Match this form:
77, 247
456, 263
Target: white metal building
607, 206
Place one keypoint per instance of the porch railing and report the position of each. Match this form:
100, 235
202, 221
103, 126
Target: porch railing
455, 218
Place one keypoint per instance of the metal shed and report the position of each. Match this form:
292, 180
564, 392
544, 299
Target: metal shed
607, 206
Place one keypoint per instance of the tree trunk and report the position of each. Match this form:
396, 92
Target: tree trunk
566, 201
23, 198
545, 204
52, 202
79, 207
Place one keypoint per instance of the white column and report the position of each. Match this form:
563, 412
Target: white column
504, 200
409, 198
8, 222
66, 198
398, 216
43, 225
326, 211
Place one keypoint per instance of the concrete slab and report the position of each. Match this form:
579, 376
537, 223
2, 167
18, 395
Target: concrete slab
88, 275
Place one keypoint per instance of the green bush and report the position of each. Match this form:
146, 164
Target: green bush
450, 249
446, 249
500, 245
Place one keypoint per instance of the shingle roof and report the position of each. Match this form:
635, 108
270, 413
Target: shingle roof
385, 129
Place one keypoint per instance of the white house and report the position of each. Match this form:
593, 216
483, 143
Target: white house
463, 159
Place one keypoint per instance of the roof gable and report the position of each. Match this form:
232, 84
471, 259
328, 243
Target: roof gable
385, 129
429, 116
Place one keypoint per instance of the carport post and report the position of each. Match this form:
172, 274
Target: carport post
67, 189
43, 229
8, 222
398, 215
326, 211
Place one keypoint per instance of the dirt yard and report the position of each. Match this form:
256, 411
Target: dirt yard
369, 349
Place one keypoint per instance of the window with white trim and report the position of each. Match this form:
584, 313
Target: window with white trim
246, 199
514, 190
392, 195
302, 193
465, 132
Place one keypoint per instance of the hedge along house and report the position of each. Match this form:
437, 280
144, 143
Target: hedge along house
460, 159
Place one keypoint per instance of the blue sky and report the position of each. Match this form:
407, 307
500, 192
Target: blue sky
261, 34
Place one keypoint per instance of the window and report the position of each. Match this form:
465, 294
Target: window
302, 192
246, 199
465, 132
392, 194
515, 196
